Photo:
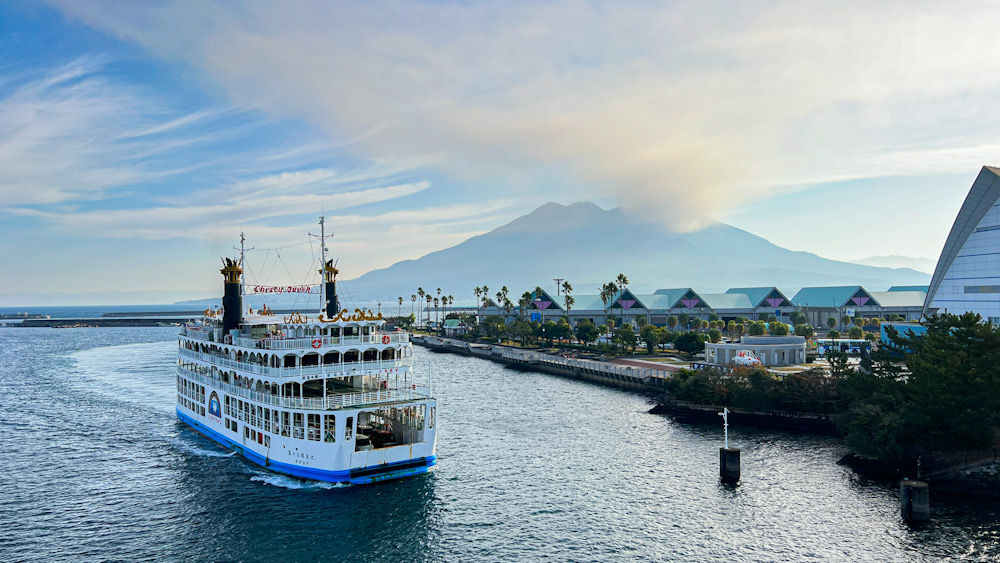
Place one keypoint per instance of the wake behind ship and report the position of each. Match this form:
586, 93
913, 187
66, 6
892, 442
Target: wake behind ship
329, 395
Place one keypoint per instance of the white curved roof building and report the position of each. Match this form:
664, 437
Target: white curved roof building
967, 276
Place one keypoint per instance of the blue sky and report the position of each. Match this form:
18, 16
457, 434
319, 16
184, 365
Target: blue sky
137, 140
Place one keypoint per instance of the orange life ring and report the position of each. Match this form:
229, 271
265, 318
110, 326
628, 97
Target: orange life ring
385, 339
317, 343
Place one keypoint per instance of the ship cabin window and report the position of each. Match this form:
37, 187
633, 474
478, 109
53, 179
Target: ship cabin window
330, 428
275, 423
430, 420
313, 433
286, 425
310, 359
289, 361
370, 355
351, 356
299, 430
389, 354
349, 429
267, 420
331, 358
335, 331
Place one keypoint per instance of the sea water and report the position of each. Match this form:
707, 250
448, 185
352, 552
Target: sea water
531, 466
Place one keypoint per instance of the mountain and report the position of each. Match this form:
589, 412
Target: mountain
925, 265
588, 246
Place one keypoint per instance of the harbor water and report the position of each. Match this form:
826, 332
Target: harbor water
530, 466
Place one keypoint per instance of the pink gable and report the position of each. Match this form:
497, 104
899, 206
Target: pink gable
543, 305
627, 303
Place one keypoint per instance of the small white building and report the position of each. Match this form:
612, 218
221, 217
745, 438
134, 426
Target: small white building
771, 350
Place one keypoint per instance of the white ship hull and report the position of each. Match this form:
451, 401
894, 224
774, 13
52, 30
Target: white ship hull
334, 462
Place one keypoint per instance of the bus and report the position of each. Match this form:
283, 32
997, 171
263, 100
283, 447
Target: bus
850, 346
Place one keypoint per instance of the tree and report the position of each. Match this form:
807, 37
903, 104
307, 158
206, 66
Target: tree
682, 320
400, 311
715, 335
650, 337
757, 328
430, 300
586, 332
856, 332
731, 328
422, 294
778, 328
713, 317
641, 322
832, 323
859, 322
413, 301
624, 338
569, 301
437, 310
689, 343
672, 322
833, 333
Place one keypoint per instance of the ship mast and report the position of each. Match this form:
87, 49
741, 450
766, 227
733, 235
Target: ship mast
243, 305
322, 259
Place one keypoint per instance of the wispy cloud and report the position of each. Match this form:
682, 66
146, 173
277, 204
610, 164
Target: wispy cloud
677, 109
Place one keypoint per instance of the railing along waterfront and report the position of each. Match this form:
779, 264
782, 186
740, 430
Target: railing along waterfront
326, 369
279, 343
329, 402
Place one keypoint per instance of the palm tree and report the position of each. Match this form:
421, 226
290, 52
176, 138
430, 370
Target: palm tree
421, 293
400, 311
437, 309
413, 299
430, 299
477, 292
523, 303
486, 295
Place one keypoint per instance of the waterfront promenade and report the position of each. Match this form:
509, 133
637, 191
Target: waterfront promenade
627, 374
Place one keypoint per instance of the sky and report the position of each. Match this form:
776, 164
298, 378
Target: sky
138, 140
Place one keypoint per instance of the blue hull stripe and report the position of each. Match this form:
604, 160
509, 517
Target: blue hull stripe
309, 472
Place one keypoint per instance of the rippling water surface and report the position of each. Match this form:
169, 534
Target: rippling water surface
96, 466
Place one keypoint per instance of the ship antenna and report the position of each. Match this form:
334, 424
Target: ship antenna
322, 260
243, 252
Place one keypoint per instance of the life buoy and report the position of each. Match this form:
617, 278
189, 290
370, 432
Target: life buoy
385, 339
317, 343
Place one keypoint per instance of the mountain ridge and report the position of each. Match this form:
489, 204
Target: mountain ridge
588, 246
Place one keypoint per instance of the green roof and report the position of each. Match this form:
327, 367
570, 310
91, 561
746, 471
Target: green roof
726, 300
839, 296
758, 295
452, 323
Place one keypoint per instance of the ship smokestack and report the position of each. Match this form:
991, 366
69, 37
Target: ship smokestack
332, 306
232, 301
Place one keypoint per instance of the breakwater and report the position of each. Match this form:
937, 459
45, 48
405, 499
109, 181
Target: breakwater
635, 377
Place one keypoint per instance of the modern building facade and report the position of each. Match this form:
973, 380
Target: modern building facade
967, 275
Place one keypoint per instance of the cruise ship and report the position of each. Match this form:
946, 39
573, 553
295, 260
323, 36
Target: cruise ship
327, 395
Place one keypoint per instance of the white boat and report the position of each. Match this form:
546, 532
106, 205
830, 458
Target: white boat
326, 395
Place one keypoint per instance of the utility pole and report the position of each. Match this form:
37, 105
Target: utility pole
558, 284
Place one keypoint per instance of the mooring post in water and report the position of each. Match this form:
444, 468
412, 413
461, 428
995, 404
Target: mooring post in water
729, 458
914, 500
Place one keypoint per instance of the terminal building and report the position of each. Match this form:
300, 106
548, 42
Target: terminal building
967, 275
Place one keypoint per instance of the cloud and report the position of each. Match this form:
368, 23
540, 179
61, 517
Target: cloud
677, 109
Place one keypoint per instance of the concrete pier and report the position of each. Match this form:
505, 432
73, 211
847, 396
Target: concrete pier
914, 501
729, 465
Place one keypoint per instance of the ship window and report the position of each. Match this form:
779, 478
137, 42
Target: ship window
299, 430
313, 433
349, 428
330, 433
275, 423
285, 424
430, 421
267, 420
267, 441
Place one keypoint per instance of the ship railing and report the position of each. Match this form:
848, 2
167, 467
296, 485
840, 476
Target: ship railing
204, 335
330, 402
336, 370
280, 343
